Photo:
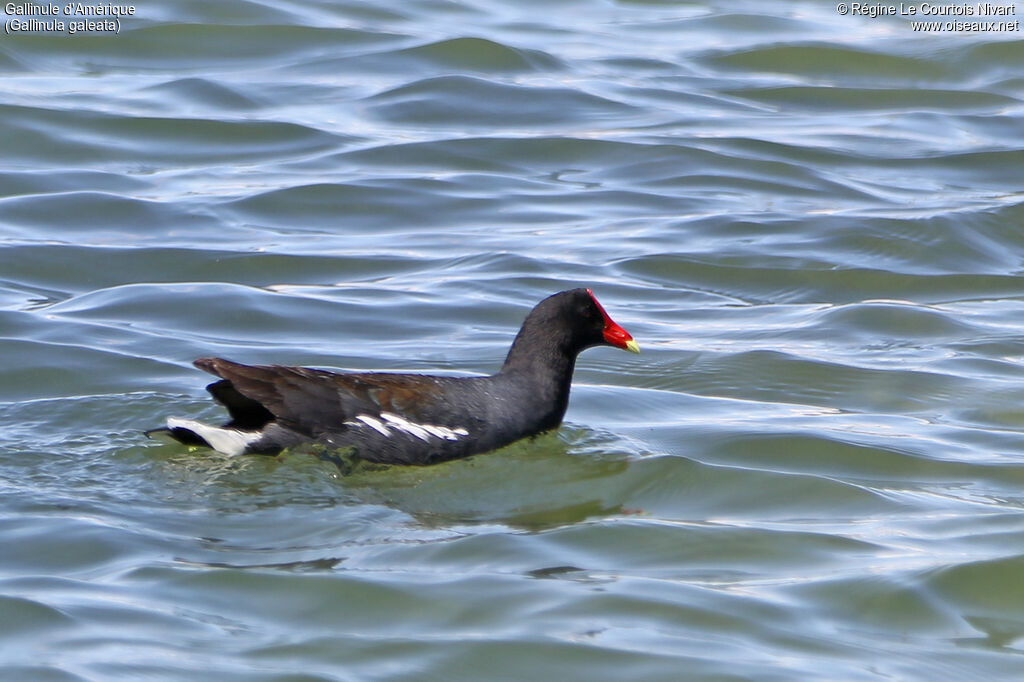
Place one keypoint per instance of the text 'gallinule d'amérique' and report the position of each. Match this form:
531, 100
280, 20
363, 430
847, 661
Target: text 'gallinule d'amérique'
408, 418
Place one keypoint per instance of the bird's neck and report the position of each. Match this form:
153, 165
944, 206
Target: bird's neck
543, 369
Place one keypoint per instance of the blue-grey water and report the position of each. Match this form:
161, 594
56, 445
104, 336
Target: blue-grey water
813, 224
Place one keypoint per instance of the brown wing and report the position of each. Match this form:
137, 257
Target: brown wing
313, 400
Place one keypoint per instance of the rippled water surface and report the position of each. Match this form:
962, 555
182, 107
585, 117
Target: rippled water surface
812, 223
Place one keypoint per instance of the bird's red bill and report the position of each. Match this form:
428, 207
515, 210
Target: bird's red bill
613, 333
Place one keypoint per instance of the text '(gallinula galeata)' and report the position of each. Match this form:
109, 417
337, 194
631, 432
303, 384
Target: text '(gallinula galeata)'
408, 418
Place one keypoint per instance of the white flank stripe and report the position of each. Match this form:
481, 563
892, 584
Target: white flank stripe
405, 425
229, 441
421, 431
375, 423
436, 431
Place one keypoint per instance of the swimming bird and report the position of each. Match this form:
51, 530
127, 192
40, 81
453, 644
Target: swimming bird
397, 418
